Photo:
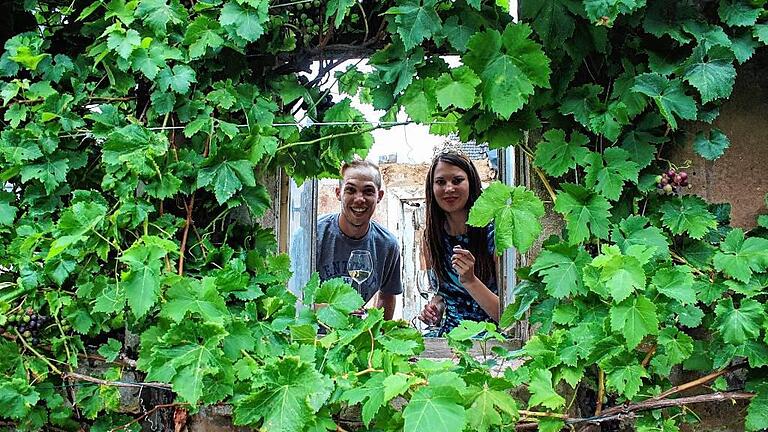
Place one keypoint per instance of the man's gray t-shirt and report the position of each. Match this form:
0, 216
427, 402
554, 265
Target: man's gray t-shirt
333, 249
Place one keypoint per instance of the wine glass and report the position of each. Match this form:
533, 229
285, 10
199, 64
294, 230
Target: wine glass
428, 289
360, 266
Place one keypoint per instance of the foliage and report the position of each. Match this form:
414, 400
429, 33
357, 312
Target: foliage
140, 139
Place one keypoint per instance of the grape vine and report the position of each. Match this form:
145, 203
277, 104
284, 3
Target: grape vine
140, 139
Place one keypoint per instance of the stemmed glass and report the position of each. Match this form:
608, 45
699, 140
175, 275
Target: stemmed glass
428, 291
360, 266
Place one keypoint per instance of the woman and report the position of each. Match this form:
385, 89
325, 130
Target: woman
460, 256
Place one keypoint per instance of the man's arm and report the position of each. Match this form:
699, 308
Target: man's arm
387, 301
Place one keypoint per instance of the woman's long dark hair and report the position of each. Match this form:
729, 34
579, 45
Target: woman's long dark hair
436, 254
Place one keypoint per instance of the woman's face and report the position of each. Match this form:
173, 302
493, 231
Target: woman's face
451, 187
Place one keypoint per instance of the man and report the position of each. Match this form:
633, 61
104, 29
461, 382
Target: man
338, 234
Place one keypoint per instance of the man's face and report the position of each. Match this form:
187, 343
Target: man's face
358, 195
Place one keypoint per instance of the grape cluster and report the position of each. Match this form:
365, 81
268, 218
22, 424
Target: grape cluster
28, 323
672, 182
307, 16
324, 103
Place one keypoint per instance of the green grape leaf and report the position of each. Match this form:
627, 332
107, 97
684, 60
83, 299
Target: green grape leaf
547, 424
620, 274
339, 9
7, 211
675, 345
157, 14
458, 34
291, 392
676, 283
349, 81
760, 32
16, 114
148, 63
633, 231
690, 316
419, 100
639, 145
74, 224
178, 79
111, 349
737, 13
457, 88
550, 19
584, 211
372, 392
17, 397
757, 413
142, 281
416, 21
713, 78
123, 43
395, 385
635, 318
397, 67
515, 211
561, 269
737, 325
605, 12
608, 173
688, 214
707, 35
202, 33
743, 47
581, 102
196, 297
542, 392
756, 353
484, 411
608, 121
738, 257
434, 408
227, 178
245, 21
556, 156
625, 378
713, 146
50, 173
669, 96
339, 299
510, 65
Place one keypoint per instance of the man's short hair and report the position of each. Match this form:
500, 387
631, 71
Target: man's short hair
362, 163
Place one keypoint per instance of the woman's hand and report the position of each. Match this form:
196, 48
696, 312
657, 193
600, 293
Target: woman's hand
433, 312
463, 262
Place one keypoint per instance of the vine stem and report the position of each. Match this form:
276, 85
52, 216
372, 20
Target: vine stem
628, 410
185, 235
80, 377
648, 356
367, 371
339, 135
682, 260
541, 414
373, 346
600, 391
64, 337
697, 382
528, 152
37, 354
652, 403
